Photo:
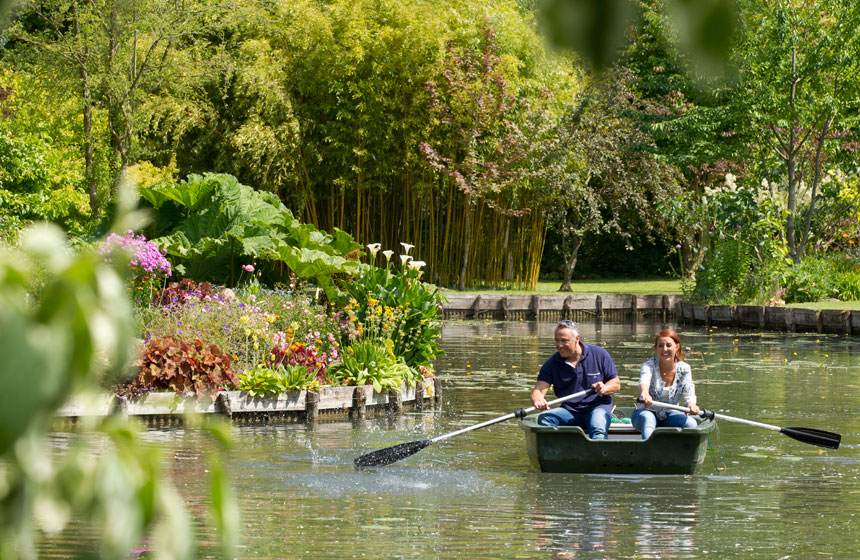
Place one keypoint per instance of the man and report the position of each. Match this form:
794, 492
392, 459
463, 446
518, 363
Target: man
575, 367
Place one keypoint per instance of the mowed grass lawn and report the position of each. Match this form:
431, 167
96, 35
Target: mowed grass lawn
645, 287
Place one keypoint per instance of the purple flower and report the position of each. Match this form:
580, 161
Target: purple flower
678, 246
144, 254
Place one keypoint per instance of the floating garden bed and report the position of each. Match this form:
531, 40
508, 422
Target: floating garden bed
243, 407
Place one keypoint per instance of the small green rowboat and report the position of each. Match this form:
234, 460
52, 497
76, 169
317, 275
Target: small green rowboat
569, 450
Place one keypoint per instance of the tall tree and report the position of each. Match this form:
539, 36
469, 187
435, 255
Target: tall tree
119, 52
799, 65
601, 175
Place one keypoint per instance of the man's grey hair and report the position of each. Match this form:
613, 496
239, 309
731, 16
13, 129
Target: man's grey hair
566, 324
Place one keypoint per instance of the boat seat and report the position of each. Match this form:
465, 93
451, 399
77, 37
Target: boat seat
620, 428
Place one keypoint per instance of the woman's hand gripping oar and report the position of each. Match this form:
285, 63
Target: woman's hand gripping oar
806, 435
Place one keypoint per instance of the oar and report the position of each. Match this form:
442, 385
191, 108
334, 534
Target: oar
395, 453
806, 435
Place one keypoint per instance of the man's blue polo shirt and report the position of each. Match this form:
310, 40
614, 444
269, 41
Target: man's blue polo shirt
594, 365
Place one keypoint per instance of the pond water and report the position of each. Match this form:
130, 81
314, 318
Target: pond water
759, 494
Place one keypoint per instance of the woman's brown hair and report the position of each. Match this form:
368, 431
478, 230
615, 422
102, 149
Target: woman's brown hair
669, 333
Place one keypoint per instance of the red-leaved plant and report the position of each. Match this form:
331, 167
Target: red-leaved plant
183, 366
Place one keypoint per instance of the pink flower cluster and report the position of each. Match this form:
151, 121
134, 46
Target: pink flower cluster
144, 254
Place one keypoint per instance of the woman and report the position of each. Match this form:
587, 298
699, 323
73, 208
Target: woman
665, 378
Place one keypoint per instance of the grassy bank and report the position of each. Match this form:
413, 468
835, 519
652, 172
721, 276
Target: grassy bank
616, 286
843, 305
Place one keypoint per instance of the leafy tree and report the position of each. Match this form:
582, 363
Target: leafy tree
601, 176
799, 91
326, 106
39, 162
119, 53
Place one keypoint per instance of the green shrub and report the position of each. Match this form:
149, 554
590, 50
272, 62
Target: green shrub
721, 279
263, 380
814, 279
370, 363
847, 285
210, 224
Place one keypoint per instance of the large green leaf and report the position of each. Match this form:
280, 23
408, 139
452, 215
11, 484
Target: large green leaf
218, 223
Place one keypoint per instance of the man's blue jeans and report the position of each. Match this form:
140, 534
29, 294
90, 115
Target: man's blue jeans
646, 421
595, 421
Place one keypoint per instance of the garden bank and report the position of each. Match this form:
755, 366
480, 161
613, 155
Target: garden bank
615, 307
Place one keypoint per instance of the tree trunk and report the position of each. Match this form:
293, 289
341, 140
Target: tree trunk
574, 253
571, 264
89, 165
790, 164
468, 241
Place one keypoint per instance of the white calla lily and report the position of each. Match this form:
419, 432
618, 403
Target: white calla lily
374, 248
406, 247
417, 264
388, 256
404, 259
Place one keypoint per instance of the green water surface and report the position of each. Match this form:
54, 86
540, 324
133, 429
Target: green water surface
759, 494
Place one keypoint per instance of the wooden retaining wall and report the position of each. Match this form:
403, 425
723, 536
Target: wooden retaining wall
577, 307
620, 307
790, 319
333, 403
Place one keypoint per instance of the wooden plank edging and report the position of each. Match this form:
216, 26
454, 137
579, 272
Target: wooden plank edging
770, 318
233, 403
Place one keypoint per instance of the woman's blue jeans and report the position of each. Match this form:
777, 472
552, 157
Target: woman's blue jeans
646, 421
596, 421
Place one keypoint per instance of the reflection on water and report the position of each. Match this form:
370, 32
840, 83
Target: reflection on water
759, 495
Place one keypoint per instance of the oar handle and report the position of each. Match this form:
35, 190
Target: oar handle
521, 413
703, 412
811, 436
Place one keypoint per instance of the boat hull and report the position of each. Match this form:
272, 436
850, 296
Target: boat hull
569, 450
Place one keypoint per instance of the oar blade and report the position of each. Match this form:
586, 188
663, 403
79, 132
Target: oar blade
813, 437
382, 457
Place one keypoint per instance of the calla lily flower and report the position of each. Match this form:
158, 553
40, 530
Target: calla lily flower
374, 248
417, 264
406, 247
404, 259
388, 255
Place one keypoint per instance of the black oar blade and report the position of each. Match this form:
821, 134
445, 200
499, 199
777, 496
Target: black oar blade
813, 437
382, 457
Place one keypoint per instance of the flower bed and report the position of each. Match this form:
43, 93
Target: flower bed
202, 339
